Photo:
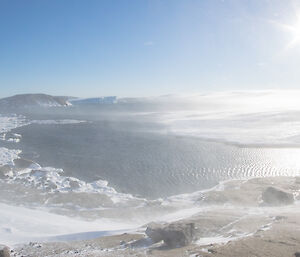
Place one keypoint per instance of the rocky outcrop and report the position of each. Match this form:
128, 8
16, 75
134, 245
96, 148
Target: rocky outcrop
275, 197
4, 251
173, 235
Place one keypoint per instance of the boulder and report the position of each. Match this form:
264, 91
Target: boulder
274, 196
173, 235
3, 170
4, 251
21, 164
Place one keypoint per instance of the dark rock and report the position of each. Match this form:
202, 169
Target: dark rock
212, 251
274, 196
4, 251
280, 217
297, 254
173, 235
154, 231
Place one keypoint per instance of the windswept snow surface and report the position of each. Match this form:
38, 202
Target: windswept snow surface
256, 118
20, 224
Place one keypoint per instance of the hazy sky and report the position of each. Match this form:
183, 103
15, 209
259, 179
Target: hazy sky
139, 47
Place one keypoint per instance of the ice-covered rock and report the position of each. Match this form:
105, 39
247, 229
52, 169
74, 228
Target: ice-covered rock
173, 235
274, 196
20, 164
4, 251
4, 170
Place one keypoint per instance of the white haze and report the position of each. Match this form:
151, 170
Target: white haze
263, 118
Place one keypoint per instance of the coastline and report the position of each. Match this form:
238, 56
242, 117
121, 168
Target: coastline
238, 225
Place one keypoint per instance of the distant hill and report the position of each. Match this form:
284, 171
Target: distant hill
33, 100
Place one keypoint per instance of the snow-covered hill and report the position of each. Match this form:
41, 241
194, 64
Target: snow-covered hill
33, 100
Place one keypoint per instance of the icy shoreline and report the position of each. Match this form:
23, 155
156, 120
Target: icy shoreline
227, 229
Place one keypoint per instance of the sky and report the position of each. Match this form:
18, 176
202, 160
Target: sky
148, 47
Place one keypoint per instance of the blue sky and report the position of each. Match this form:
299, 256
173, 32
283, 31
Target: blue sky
153, 47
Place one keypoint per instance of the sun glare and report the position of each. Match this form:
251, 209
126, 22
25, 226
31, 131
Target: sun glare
294, 30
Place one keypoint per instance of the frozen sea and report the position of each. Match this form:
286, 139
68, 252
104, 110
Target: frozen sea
112, 168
